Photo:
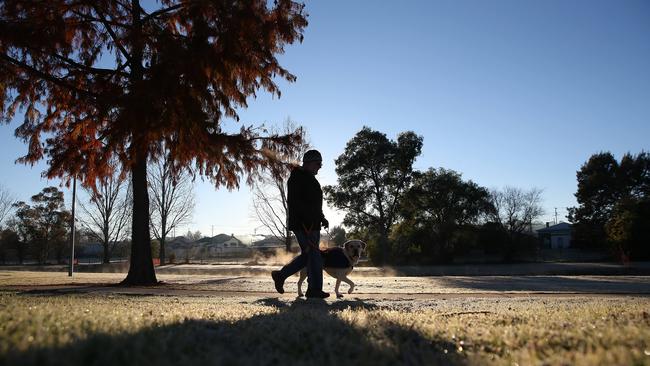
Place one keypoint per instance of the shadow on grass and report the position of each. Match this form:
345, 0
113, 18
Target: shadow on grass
614, 285
302, 332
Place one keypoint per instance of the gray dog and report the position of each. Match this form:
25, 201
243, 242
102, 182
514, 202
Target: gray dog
338, 262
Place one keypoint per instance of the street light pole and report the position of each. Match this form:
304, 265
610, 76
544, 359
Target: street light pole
74, 193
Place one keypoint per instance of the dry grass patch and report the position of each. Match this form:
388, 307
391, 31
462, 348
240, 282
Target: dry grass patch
116, 329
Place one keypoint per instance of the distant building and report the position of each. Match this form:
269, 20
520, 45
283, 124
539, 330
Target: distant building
555, 236
218, 246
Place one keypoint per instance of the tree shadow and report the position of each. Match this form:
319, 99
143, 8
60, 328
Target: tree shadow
614, 285
301, 332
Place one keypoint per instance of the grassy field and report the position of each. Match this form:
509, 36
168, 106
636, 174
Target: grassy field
42, 328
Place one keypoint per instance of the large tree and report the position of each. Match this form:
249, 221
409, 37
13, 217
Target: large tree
373, 173
172, 203
102, 79
610, 190
436, 206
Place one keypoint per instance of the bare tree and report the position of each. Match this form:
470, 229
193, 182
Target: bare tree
516, 209
270, 193
172, 201
6, 203
193, 236
107, 213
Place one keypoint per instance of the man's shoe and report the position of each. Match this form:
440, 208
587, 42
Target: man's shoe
278, 280
317, 294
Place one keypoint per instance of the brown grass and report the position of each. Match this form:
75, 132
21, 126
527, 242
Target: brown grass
79, 329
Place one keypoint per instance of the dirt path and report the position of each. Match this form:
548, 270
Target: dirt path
439, 287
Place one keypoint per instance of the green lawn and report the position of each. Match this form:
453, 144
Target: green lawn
93, 329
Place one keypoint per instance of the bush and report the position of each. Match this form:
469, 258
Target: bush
628, 231
421, 244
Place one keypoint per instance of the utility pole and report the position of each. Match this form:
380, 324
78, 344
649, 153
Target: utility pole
555, 215
212, 231
74, 193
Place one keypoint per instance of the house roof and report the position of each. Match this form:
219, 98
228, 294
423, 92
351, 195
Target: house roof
218, 239
269, 241
563, 226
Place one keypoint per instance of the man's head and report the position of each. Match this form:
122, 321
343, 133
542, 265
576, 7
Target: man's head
312, 161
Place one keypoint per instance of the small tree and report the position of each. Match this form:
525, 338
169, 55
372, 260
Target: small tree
270, 192
373, 174
193, 236
6, 203
515, 210
107, 213
45, 223
172, 202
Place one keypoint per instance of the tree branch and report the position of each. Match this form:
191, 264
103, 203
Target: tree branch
46, 77
110, 31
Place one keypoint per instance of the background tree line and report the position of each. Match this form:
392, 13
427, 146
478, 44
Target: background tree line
410, 216
41, 230
431, 216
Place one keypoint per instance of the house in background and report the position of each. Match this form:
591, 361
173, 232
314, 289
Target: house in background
270, 245
555, 236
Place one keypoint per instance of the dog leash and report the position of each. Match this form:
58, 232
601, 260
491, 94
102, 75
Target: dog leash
329, 236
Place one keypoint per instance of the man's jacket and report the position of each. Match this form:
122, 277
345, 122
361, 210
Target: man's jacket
305, 200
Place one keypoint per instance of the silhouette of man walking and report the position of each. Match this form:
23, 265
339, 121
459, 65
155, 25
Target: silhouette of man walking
305, 201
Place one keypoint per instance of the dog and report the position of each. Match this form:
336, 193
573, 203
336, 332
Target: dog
338, 262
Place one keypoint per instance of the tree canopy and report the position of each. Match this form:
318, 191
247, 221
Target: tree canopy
99, 80
612, 200
438, 203
44, 224
373, 173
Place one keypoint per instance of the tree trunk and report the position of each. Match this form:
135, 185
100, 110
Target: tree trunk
162, 249
106, 244
141, 271
383, 241
106, 256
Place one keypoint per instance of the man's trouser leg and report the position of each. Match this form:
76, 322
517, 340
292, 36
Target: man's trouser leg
296, 263
310, 257
314, 259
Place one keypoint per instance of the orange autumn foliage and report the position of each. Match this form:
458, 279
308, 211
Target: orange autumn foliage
94, 82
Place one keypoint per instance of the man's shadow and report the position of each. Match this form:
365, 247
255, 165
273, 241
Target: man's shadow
319, 305
313, 332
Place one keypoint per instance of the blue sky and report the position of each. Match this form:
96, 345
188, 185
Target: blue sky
516, 93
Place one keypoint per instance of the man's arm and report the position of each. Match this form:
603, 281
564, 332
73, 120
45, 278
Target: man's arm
324, 222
